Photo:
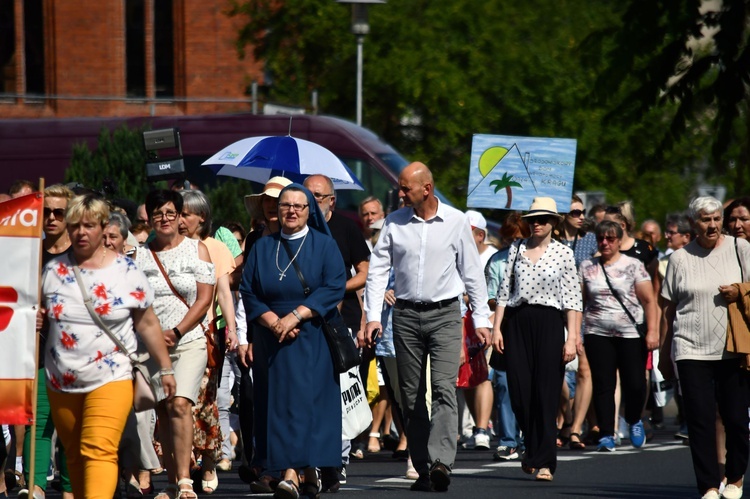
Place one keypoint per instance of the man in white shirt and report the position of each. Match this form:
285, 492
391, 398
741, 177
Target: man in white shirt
434, 257
370, 211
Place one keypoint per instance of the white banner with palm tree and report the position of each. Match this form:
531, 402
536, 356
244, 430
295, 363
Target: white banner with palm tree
508, 172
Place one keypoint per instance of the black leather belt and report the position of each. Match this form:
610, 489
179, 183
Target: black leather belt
424, 306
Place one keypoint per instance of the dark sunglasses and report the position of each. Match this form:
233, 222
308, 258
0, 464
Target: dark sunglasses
610, 239
541, 220
576, 213
59, 213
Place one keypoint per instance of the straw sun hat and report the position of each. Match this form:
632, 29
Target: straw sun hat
253, 202
543, 206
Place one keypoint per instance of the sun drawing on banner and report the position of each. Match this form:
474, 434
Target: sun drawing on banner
488, 161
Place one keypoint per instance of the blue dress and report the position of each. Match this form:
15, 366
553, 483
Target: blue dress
296, 391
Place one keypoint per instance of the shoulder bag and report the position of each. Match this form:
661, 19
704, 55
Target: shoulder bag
343, 351
215, 354
147, 389
497, 359
642, 327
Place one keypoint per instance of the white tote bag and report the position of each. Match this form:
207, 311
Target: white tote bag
356, 415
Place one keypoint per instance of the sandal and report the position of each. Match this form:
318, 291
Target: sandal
210, 486
374, 448
562, 440
169, 492
544, 475
527, 469
185, 493
576, 444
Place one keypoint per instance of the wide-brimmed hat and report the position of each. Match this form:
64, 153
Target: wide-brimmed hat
543, 206
272, 188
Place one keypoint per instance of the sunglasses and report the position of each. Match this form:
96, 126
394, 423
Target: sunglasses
609, 239
576, 213
541, 220
59, 213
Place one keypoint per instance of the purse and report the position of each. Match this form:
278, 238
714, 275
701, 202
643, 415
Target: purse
640, 327
147, 389
343, 351
214, 353
474, 371
497, 359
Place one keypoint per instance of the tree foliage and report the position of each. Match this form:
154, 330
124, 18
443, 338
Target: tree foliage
438, 71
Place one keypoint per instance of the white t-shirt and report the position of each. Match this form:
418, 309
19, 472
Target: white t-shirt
79, 356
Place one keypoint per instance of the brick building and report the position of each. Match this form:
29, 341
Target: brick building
61, 58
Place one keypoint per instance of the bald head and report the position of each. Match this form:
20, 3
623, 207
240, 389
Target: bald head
417, 188
418, 171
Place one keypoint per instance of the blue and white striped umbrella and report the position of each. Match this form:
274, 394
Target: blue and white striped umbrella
260, 158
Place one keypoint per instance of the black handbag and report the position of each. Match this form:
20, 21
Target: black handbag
640, 327
497, 359
344, 352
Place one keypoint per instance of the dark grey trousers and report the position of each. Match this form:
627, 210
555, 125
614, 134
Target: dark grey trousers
417, 334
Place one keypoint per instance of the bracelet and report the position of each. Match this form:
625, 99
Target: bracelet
166, 372
297, 315
177, 333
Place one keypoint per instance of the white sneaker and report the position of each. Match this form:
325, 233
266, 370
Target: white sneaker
482, 441
711, 494
732, 492
411, 473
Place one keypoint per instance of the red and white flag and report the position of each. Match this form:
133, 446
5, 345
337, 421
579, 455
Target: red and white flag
20, 246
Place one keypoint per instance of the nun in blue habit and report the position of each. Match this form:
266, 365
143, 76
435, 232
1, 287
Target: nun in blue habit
296, 391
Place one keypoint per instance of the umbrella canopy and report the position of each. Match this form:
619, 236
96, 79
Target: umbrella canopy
260, 158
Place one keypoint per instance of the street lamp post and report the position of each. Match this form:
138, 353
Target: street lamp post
360, 28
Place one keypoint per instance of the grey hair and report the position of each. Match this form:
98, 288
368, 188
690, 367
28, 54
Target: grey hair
121, 221
704, 204
197, 203
681, 221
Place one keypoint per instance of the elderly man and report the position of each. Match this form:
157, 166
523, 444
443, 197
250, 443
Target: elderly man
370, 211
434, 257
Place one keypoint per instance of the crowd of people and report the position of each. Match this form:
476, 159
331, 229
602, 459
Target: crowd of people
561, 330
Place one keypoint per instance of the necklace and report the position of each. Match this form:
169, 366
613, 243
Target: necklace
104, 253
282, 273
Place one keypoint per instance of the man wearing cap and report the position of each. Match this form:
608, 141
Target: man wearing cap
434, 257
479, 231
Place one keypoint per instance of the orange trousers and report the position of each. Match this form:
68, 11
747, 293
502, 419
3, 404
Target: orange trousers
90, 426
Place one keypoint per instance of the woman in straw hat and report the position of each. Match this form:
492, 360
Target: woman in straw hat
539, 296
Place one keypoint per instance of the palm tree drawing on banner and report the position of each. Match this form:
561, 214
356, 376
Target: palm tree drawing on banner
492, 157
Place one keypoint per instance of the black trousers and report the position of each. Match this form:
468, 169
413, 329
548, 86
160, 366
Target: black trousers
247, 414
534, 336
606, 355
722, 381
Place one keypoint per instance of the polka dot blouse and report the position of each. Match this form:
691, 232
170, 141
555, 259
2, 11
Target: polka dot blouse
552, 281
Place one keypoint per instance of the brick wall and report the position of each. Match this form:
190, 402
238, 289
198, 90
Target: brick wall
85, 50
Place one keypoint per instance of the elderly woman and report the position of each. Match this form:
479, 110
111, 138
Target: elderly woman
195, 223
116, 234
539, 295
89, 379
297, 396
180, 271
697, 289
611, 282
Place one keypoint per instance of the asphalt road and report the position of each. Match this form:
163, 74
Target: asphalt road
662, 469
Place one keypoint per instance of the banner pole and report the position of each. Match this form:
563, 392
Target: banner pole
35, 387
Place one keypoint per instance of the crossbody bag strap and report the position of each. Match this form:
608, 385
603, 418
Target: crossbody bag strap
617, 297
166, 277
98, 320
737, 253
288, 250
512, 276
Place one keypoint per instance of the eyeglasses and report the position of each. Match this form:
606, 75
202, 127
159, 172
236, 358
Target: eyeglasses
541, 220
158, 216
673, 232
59, 213
576, 213
290, 206
609, 239
321, 197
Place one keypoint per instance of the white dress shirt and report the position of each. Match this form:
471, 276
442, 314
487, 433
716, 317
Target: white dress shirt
433, 260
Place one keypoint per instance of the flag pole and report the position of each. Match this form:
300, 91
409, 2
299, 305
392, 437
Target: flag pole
35, 387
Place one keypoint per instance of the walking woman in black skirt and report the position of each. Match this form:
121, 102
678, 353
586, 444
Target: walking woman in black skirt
539, 297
